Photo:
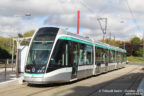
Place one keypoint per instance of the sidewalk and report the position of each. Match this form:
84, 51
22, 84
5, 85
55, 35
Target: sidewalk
9, 78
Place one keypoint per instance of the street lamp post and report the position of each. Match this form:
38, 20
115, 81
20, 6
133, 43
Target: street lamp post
18, 46
11, 48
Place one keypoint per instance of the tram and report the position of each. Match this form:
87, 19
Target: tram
57, 56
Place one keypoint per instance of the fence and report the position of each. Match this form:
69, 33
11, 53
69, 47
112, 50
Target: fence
7, 69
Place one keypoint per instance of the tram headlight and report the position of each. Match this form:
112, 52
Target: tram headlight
27, 70
41, 70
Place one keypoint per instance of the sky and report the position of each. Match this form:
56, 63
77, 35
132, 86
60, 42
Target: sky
124, 17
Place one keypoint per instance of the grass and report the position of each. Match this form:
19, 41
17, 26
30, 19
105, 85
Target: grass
135, 59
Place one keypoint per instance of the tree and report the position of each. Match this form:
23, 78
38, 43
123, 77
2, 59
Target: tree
29, 33
5, 43
4, 54
135, 40
139, 52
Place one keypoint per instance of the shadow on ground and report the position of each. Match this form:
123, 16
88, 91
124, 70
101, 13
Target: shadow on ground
122, 86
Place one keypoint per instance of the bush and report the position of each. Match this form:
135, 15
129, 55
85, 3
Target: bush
4, 54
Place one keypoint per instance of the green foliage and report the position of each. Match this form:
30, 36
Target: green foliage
112, 42
139, 52
135, 40
135, 59
29, 33
5, 43
4, 54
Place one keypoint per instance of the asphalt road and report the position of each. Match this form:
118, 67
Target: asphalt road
122, 82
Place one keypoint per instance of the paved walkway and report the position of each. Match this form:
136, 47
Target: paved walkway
9, 75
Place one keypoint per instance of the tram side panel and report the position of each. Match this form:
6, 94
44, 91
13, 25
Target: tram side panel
107, 60
101, 60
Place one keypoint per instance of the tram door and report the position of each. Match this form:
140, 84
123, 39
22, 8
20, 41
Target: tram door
75, 53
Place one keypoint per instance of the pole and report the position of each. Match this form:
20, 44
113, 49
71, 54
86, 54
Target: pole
110, 39
17, 59
103, 29
5, 68
12, 55
78, 13
114, 41
103, 37
143, 45
17, 54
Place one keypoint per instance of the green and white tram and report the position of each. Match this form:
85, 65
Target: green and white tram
56, 56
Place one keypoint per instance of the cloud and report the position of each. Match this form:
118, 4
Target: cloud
62, 13
12, 26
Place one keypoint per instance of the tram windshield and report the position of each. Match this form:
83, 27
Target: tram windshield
41, 46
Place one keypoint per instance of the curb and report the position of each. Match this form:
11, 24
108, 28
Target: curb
9, 83
13, 82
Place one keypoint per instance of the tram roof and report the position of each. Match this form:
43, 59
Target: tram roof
86, 39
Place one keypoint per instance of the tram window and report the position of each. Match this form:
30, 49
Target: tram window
75, 53
88, 56
111, 56
118, 56
105, 56
39, 52
82, 54
99, 55
60, 55
114, 54
46, 34
122, 56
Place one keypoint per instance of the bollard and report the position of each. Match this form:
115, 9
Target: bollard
5, 69
12, 65
7, 61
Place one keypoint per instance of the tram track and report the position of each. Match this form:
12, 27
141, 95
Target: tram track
110, 82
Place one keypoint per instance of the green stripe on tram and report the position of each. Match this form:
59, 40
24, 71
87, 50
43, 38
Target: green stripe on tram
76, 40
34, 74
81, 41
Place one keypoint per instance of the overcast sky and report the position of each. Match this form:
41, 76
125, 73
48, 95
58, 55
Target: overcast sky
63, 14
